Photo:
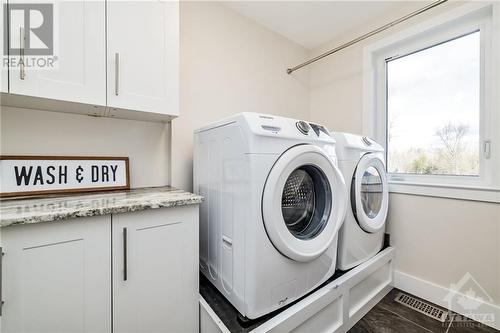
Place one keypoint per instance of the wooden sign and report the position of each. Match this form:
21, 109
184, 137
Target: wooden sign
30, 175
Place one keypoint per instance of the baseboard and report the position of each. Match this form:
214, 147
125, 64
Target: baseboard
438, 295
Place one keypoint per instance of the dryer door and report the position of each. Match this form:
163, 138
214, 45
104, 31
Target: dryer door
369, 193
304, 202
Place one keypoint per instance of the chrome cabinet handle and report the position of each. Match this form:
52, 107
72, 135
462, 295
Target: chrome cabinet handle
22, 73
117, 73
125, 268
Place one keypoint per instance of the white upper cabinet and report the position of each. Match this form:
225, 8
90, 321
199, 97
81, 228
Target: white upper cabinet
3, 69
79, 40
143, 57
113, 58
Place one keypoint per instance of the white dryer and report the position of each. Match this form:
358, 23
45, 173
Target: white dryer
274, 202
362, 163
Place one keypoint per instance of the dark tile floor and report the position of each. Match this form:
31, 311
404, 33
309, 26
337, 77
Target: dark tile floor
388, 316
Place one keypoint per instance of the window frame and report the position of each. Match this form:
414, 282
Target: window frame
466, 19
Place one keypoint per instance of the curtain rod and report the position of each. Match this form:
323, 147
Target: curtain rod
367, 35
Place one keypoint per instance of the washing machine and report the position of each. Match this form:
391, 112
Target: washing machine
361, 236
275, 200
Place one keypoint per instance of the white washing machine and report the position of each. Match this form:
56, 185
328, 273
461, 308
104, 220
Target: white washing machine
362, 163
274, 202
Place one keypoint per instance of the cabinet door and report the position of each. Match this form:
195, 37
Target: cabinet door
79, 73
143, 59
155, 270
57, 276
3, 68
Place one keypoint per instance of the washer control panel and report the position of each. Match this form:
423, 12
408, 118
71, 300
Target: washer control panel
283, 127
303, 127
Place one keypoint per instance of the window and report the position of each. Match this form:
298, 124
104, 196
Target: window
433, 102
430, 100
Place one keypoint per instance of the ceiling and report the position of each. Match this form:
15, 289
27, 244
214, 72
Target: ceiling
312, 23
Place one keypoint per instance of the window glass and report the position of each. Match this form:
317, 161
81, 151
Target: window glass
433, 109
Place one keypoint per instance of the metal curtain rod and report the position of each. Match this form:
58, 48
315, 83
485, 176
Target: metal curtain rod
367, 35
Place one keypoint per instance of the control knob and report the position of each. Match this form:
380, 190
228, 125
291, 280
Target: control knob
303, 127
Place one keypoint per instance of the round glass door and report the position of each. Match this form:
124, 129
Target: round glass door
369, 193
305, 202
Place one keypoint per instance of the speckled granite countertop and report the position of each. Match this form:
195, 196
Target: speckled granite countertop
55, 208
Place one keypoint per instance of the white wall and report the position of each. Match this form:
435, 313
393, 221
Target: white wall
438, 240
229, 64
35, 132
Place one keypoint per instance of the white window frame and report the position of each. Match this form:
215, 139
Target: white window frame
485, 17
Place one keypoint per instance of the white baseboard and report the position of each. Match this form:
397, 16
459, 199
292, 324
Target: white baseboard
437, 294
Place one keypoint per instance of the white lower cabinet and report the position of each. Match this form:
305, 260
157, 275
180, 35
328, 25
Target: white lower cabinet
131, 272
155, 270
57, 276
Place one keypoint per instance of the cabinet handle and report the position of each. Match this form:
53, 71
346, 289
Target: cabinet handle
117, 73
22, 73
125, 268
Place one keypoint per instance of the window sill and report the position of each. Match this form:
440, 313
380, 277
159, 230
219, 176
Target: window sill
484, 194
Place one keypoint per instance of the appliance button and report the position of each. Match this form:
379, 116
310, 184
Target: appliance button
367, 141
303, 127
315, 128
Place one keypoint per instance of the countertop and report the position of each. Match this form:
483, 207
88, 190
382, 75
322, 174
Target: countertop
56, 208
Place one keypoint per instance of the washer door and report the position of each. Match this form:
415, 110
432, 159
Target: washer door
369, 193
304, 203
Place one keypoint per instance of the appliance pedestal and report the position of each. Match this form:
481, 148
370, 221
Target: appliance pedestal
334, 307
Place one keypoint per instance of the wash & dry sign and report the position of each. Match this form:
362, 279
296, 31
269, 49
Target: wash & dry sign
28, 175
